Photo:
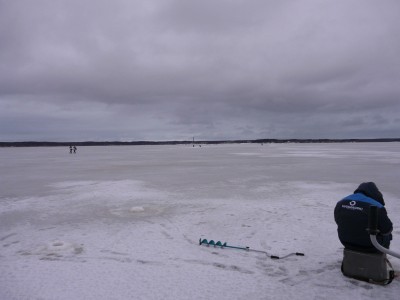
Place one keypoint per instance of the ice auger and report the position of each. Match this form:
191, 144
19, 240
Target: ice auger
225, 245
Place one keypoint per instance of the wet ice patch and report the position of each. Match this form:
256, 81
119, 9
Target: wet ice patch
86, 201
108, 191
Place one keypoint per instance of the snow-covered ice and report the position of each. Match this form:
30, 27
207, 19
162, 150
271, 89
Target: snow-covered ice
125, 222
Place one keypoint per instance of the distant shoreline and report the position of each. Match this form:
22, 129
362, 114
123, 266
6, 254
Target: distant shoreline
141, 143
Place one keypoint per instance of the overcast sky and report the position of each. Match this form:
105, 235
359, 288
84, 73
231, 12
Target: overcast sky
78, 70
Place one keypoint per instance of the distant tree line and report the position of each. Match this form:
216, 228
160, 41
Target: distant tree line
138, 143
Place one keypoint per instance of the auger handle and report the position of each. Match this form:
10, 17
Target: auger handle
290, 254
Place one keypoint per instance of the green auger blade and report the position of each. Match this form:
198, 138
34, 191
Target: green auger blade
212, 243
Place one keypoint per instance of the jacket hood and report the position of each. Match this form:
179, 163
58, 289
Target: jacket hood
370, 189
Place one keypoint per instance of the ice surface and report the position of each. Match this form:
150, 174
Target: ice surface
124, 222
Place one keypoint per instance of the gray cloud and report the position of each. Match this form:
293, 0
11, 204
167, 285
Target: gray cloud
172, 69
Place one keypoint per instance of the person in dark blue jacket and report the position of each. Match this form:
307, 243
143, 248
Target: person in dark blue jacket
351, 217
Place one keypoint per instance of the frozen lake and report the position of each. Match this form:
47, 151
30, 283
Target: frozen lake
123, 222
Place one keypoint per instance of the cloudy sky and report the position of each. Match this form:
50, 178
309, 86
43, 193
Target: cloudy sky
77, 70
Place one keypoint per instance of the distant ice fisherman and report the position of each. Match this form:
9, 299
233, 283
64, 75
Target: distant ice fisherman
72, 149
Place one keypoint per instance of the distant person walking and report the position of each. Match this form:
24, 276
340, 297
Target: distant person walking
74, 149
70, 149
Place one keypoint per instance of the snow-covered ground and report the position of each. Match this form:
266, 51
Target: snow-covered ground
125, 222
